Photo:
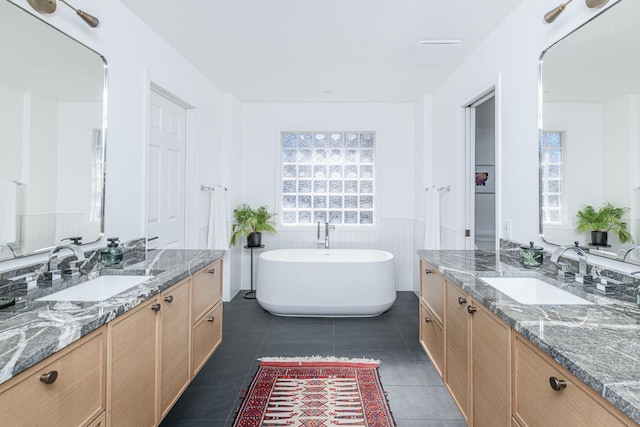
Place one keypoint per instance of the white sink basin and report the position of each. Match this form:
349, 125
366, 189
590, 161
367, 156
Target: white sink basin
530, 290
98, 289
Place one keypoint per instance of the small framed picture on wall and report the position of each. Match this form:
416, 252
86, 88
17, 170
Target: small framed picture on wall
485, 179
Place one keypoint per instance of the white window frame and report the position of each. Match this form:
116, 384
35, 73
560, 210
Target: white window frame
279, 179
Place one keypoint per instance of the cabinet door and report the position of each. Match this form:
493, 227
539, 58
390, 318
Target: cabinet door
432, 290
536, 403
491, 369
132, 367
206, 289
99, 422
432, 338
457, 347
67, 389
175, 329
207, 335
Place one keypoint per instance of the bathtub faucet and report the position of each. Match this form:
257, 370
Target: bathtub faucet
327, 227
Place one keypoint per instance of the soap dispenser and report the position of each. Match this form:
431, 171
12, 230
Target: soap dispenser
113, 253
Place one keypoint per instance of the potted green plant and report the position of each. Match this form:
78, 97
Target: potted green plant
251, 223
601, 221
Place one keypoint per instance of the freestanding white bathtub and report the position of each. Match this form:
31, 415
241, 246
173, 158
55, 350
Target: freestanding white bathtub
326, 282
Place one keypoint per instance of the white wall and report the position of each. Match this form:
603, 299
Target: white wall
597, 136
11, 111
395, 129
509, 55
422, 179
507, 59
136, 57
583, 133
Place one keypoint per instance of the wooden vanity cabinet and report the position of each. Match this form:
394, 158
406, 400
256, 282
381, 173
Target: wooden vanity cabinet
129, 372
490, 368
207, 336
175, 326
432, 290
568, 403
432, 337
131, 367
206, 307
67, 389
101, 421
496, 376
477, 366
457, 344
206, 289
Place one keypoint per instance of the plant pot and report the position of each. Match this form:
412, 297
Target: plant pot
254, 240
599, 238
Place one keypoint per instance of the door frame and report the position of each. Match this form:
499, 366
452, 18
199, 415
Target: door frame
466, 162
190, 156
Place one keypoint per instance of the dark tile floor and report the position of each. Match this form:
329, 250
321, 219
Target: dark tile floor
416, 394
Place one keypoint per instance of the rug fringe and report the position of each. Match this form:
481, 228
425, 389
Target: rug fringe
320, 359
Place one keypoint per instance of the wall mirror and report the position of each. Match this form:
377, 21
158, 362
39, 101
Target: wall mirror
589, 129
52, 136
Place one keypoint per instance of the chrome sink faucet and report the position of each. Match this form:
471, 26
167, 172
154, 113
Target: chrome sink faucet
582, 262
327, 227
13, 247
51, 270
625, 253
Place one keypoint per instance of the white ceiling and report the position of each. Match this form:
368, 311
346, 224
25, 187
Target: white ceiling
296, 50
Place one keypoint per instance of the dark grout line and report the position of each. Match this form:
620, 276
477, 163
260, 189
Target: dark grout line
262, 331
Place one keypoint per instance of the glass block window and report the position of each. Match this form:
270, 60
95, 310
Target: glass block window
551, 181
328, 177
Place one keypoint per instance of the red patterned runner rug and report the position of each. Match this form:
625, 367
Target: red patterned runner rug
315, 392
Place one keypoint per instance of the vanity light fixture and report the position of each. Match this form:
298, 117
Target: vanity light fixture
49, 6
551, 16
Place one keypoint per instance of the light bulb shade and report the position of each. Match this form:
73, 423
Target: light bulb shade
551, 16
43, 6
596, 3
91, 20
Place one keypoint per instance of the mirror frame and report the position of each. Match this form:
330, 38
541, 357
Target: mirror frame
541, 130
103, 132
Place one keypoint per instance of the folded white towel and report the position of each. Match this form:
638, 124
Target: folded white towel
432, 219
217, 231
7, 212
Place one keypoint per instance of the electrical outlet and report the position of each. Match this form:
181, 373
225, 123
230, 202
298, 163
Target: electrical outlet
506, 229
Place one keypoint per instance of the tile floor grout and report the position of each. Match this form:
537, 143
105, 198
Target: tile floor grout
416, 394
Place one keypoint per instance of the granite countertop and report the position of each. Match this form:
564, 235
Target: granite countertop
33, 330
599, 343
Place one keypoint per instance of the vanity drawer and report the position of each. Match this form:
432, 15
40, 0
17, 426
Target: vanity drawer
74, 394
432, 338
536, 403
432, 289
206, 289
206, 336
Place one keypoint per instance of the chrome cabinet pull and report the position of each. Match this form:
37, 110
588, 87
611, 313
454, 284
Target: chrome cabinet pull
212, 271
211, 319
427, 271
427, 319
50, 377
471, 309
156, 307
169, 299
557, 384
462, 300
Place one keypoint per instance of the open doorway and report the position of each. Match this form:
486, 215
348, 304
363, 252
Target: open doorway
480, 117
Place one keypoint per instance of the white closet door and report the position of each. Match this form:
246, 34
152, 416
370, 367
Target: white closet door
166, 174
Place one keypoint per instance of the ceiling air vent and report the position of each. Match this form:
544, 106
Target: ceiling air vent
429, 52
